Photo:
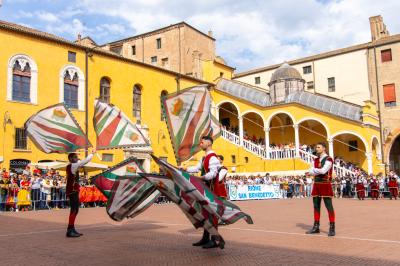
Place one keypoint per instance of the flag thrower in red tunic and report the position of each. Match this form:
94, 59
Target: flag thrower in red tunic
72, 189
322, 188
209, 167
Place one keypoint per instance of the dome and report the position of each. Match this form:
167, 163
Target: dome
285, 72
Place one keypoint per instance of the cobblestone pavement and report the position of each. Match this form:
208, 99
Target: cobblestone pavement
368, 233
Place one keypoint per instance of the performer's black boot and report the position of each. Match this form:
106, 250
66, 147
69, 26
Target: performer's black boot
315, 229
332, 229
76, 232
72, 233
212, 243
204, 240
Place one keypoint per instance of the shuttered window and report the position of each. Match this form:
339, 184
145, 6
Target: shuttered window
389, 95
386, 55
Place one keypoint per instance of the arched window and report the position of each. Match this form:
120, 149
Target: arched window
22, 79
71, 86
137, 103
164, 94
105, 90
21, 82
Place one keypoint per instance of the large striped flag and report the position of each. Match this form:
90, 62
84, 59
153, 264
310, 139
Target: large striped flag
188, 116
225, 211
194, 211
128, 193
55, 130
114, 129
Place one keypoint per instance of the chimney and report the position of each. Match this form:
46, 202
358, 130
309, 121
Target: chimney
79, 37
210, 33
378, 28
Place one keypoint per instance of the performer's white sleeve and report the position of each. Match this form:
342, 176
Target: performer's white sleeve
321, 171
213, 167
222, 174
194, 169
76, 166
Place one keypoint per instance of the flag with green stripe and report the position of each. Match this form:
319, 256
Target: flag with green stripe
127, 192
220, 210
55, 130
188, 116
114, 129
194, 211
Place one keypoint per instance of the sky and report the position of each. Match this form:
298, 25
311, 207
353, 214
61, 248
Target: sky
249, 34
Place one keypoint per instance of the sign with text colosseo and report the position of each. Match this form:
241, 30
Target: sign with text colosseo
254, 192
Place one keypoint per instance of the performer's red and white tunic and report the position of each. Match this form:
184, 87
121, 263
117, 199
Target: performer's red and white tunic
210, 168
73, 175
322, 172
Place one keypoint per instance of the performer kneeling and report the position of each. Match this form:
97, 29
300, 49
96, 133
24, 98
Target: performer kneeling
322, 188
210, 167
72, 189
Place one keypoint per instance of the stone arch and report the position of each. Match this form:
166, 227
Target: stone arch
323, 123
342, 141
268, 121
281, 129
394, 154
228, 115
231, 102
253, 127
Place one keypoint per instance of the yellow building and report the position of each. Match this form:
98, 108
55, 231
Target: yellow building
38, 69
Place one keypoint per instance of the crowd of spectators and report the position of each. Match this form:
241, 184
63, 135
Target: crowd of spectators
300, 186
34, 189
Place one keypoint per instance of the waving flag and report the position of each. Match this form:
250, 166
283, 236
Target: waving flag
128, 193
114, 129
55, 130
225, 211
193, 210
188, 116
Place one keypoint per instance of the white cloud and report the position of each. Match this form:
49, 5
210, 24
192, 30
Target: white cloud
249, 33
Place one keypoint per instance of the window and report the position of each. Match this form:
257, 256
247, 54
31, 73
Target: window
307, 70
389, 95
107, 157
163, 96
310, 85
386, 55
71, 57
105, 90
233, 157
353, 145
116, 49
22, 77
221, 74
158, 43
154, 59
257, 80
331, 84
137, 103
133, 49
71, 90
20, 139
164, 62
246, 159
21, 82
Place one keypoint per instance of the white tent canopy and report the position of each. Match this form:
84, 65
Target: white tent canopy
57, 165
